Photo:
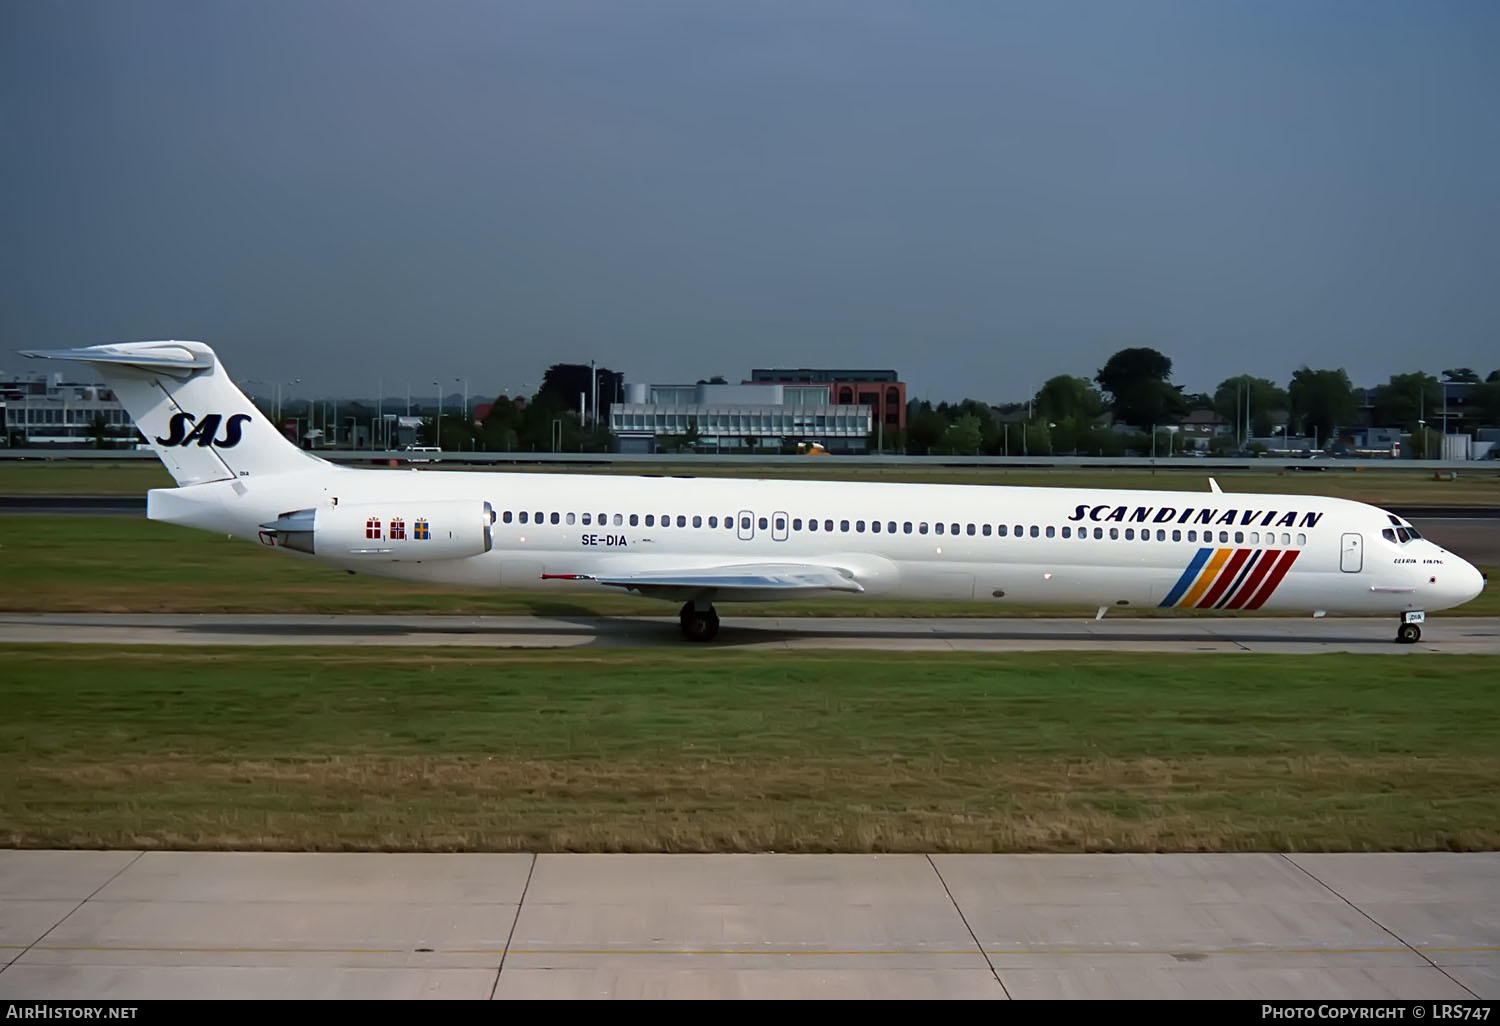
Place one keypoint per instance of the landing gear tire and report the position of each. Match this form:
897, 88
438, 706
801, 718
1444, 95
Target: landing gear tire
699, 624
1408, 634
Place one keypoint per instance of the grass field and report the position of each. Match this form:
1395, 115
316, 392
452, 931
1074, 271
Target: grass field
1375, 484
123, 564
711, 751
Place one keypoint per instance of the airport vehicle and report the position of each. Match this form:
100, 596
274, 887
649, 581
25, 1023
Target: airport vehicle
697, 541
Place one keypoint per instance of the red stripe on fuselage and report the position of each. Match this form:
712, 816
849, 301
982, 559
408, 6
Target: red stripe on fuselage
1274, 578
1226, 577
1258, 574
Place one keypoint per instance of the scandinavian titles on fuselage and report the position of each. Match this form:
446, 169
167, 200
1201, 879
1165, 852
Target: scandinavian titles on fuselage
1105, 512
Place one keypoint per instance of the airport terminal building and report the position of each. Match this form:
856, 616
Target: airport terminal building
745, 418
43, 409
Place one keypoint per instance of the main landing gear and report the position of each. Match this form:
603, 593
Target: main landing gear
699, 624
1409, 633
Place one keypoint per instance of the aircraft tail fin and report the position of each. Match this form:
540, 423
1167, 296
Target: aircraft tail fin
180, 397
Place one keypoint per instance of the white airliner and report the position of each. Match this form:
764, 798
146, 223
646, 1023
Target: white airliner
695, 541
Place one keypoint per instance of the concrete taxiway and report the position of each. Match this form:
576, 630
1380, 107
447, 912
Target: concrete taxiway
1112, 634
127, 925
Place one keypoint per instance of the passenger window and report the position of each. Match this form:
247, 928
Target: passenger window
1177, 536
1051, 531
1161, 535
505, 517
1223, 537
796, 523
1067, 531
859, 527
906, 527
1003, 530
538, 517
744, 523
1098, 532
1254, 537
938, 528
1114, 532
875, 526
556, 518
986, 530
586, 520
1035, 533
762, 523
922, 528
812, 525
697, 520
781, 523
1192, 536
1020, 531
619, 519
953, 529
571, 518
523, 516
844, 526
1301, 539
828, 525
1130, 534
1286, 539
890, 526
970, 529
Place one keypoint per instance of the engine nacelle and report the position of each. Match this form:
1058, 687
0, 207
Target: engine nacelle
401, 530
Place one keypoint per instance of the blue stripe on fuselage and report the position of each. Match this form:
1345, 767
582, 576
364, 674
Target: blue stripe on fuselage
1186, 580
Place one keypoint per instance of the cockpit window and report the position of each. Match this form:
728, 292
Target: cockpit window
1413, 532
1388, 535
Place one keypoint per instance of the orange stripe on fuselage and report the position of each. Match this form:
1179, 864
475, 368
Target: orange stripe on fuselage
1206, 578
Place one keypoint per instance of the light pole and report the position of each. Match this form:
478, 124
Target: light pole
438, 424
289, 384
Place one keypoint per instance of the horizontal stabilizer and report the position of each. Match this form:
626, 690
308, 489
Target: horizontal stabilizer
166, 356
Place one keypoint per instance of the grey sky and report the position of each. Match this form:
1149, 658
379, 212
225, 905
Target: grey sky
980, 195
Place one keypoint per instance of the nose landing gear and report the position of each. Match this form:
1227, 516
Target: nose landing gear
1410, 631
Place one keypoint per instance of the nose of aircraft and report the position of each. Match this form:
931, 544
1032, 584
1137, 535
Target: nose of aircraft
1467, 583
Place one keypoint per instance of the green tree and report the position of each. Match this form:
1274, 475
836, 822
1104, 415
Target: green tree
1486, 401
99, 432
963, 435
1264, 399
1407, 398
1320, 400
1461, 374
1140, 394
1066, 398
925, 430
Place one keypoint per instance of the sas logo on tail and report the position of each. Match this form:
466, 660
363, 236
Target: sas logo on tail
203, 432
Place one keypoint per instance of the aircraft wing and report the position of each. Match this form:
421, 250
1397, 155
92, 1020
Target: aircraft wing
737, 582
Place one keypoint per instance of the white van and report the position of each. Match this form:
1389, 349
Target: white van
423, 449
